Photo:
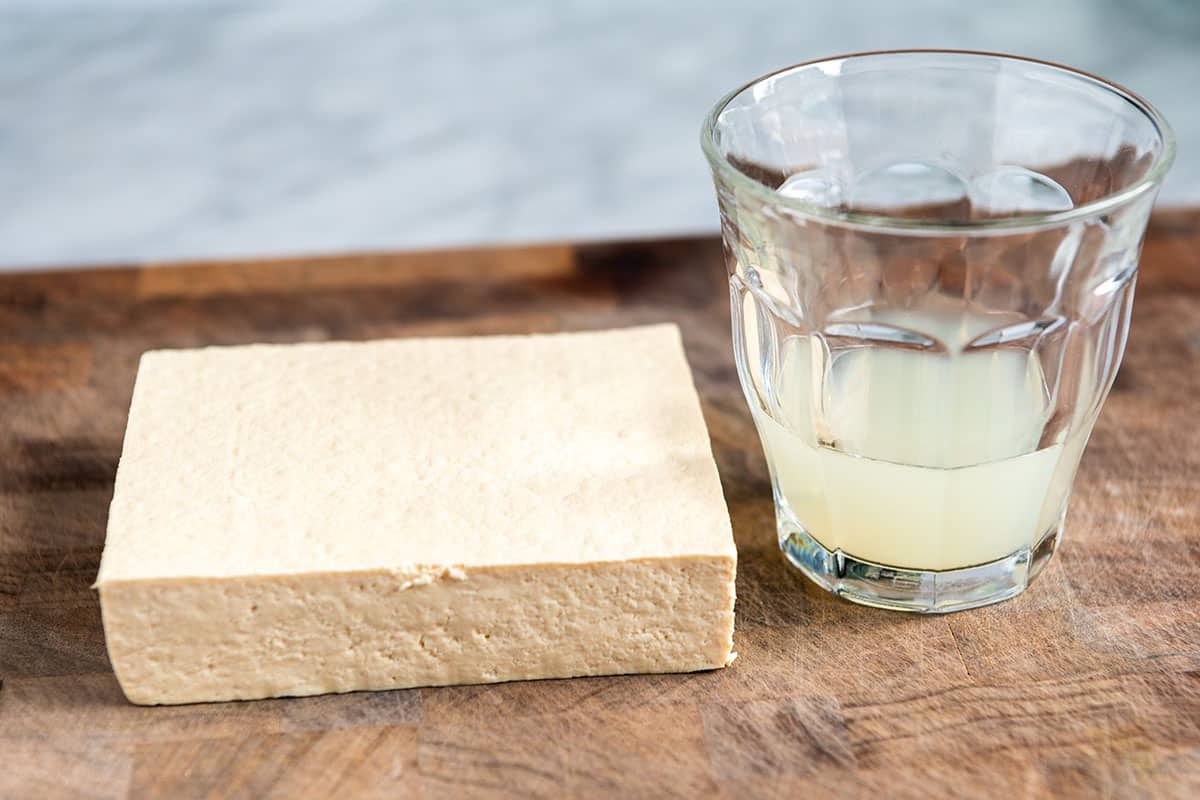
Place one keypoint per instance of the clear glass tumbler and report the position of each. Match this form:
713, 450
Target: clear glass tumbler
932, 258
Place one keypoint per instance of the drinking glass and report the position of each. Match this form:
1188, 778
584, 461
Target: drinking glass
932, 258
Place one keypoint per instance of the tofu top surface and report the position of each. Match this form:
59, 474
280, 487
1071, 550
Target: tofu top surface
414, 454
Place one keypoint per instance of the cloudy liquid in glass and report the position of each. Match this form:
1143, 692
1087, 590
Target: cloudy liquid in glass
920, 460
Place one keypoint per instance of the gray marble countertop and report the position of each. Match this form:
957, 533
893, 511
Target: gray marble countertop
142, 130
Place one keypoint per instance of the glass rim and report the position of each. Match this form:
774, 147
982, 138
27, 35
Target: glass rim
1147, 183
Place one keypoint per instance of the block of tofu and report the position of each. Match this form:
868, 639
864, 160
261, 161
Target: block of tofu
300, 519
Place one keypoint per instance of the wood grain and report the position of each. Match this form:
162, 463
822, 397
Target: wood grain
33, 367
1088, 685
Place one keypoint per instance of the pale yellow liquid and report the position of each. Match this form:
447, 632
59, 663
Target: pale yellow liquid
918, 460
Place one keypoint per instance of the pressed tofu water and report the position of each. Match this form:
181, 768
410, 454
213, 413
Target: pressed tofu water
922, 452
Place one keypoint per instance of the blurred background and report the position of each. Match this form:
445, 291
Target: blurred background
144, 130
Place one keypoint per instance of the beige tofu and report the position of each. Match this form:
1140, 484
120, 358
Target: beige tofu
300, 519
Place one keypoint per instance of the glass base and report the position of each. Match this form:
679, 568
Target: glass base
925, 592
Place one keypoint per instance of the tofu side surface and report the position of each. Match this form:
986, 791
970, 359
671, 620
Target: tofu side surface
197, 640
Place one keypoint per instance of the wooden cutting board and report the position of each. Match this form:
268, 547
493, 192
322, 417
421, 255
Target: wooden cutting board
1088, 685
